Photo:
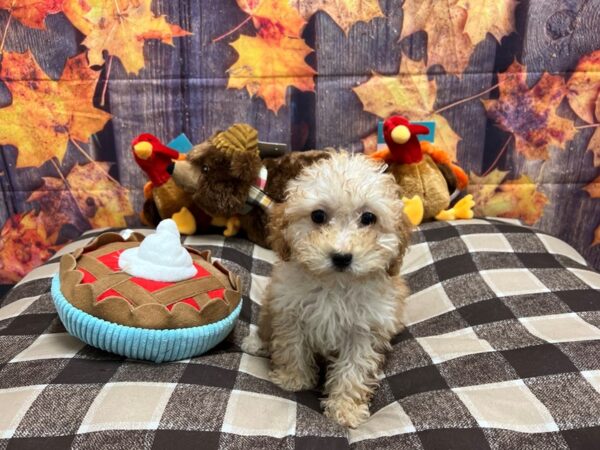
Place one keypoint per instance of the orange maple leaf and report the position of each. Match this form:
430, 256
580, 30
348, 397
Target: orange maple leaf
45, 113
31, 13
594, 144
530, 114
517, 199
593, 188
496, 17
103, 201
594, 147
410, 94
272, 17
455, 27
120, 27
266, 67
584, 86
344, 12
24, 245
596, 240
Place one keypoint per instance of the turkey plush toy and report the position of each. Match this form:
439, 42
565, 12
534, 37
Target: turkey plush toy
164, 198
426, 175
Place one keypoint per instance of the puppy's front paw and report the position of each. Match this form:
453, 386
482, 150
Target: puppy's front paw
254, 345
346, 412
292, 380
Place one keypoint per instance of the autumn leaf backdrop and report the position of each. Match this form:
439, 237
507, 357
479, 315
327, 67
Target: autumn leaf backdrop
514, 89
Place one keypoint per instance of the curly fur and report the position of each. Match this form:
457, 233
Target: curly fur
311, 309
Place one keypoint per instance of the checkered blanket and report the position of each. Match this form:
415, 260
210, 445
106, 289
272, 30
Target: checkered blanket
502, 349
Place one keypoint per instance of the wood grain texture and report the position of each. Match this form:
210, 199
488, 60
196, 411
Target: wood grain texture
343, 63
183, 89
555, 36
51, 48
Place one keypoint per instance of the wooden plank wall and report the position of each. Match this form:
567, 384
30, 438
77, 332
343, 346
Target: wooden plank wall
343, 63
556, 34
183, 89
186, 91
51, 49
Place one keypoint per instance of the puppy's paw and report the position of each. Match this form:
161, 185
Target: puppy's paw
254, 345
294, 381
346, 412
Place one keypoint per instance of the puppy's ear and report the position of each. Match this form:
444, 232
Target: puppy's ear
404, 231
276, 227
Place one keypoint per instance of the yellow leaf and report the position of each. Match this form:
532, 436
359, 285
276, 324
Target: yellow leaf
483, 188
120, 27
103, 201
530, 114
410, 94
455, 27
517, 199
444, 22
344, 12
445, 137
266, 67
31, 13
278, 14
593, 188
45, 113
584, 86
594, 144
594, 147
489, 16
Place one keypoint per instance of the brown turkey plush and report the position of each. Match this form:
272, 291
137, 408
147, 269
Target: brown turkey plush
227, 178
426, 175
164, 199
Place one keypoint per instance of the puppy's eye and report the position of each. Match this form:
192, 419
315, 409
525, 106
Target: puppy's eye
368, 218
318, 216
205, 168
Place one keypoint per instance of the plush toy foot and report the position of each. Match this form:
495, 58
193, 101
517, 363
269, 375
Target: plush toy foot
232, 224
148, 190
186, 223
462, 210
464, 207
413, 208
144, 220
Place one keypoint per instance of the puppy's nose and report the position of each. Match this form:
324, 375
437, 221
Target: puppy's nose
341, 260
171, 168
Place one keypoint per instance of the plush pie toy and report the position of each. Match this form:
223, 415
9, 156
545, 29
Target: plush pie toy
146, 297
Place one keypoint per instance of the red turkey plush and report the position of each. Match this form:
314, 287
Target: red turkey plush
164, 198
426, 174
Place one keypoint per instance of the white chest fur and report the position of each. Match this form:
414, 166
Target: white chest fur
331, 310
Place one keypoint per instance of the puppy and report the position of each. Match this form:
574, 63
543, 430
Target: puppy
336, 293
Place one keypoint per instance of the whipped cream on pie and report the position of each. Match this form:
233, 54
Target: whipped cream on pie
160, 256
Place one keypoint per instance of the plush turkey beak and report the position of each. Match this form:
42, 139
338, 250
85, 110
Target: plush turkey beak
400, 134
143, 149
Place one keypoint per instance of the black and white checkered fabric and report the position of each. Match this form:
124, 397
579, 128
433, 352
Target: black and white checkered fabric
502, 350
